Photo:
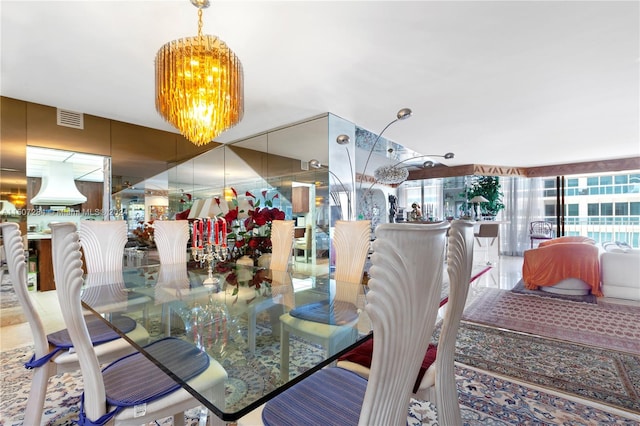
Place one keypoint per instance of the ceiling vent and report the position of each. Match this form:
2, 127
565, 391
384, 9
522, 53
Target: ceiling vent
304, 165
70, 119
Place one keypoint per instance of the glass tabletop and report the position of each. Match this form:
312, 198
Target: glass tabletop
236, 319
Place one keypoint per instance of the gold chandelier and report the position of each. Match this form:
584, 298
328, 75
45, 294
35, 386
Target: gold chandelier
199, 85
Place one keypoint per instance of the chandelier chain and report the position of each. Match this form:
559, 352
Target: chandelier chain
199, 22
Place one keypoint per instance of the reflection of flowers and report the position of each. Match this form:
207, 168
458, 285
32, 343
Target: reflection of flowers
144, 232
252, 236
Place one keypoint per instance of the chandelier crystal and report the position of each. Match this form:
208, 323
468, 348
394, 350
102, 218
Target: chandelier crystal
199, 85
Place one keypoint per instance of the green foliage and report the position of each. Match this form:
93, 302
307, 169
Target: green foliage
489, 187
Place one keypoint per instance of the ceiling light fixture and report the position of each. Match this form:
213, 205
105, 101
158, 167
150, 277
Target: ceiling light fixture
403, 114
394, 175
199, 85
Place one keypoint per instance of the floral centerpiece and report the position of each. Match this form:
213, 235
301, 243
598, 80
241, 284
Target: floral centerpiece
144, 233
249, 238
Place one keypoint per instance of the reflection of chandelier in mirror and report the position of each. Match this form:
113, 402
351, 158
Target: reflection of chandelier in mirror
403, 114
199, 85
392, 174
396, 174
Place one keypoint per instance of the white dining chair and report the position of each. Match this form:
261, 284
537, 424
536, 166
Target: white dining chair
103, 244
437, 383
63, 360
402, 302
351, 240
131, 390
171, 238
281, 244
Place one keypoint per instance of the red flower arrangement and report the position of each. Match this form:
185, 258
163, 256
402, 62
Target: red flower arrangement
144, 233
252, 235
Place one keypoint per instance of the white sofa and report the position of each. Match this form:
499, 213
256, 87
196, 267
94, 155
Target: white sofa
620, 270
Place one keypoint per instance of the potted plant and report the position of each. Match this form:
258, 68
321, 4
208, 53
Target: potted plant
488, 187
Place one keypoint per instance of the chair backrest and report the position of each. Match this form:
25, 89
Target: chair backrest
351, 241
488, 230
541, 227
67, 271
103, 244
281, 244
171, 237
402, 302
459, 266
14, 251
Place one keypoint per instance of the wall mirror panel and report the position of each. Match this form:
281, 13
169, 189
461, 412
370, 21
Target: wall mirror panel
273, 167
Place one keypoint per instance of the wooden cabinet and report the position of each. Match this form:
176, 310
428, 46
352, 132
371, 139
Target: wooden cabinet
300, 199
45, 265
93, 191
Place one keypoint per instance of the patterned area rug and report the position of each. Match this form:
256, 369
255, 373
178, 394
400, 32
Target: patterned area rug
561, 366
484, 399
606, 326
8, 298
520, 289
10, 309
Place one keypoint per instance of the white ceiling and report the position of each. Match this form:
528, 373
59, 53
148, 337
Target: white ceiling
511, 83
85, 166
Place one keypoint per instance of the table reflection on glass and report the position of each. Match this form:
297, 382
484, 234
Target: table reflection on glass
236, 321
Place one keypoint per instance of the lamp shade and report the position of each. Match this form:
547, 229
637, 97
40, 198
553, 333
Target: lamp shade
194, 213
478, 199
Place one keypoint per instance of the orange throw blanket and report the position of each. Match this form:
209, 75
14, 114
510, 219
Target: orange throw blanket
555, 261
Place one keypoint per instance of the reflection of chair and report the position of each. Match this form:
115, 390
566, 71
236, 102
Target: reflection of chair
63, 361
351, 241
436, 381
403, 303
132, 382
281, 242
103, 247
103, 244
540, 230
171, 237
304, 243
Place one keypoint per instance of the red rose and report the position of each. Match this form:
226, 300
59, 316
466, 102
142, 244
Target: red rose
253, 243
231, 215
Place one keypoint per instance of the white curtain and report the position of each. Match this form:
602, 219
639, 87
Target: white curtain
523, 204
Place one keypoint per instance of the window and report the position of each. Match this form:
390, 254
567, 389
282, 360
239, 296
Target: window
550, 210
572, 183
593, 209
622, 209
620, 179
573, 209
634, 208
606, 209
593, 181
606, 180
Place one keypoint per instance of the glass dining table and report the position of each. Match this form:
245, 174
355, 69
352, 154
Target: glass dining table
234, 318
